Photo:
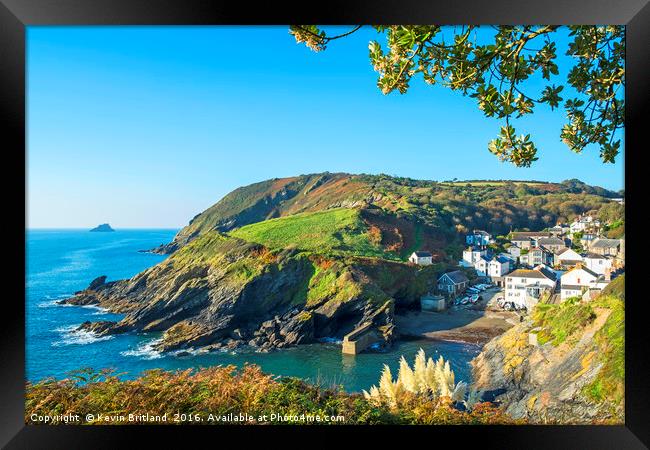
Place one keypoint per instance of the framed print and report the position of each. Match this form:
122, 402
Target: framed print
396, 215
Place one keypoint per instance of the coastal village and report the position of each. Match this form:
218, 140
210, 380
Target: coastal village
526, 267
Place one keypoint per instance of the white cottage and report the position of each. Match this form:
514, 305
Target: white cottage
566, 257
602, 265
578, 280
421, 258
472, 255
498, 267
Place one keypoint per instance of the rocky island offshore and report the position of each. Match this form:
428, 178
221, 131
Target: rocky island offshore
104, 227
294, 260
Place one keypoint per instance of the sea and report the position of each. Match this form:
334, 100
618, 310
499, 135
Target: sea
60, 262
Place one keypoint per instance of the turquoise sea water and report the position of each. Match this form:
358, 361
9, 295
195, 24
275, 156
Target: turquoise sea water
60, 262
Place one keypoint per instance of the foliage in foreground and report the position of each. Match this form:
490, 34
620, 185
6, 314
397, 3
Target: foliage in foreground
429, 379
221, 391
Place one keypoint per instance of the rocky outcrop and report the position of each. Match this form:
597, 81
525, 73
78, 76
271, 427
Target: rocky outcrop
102, 228
102, 327
234, 294
163, 249
544, 383
97, 282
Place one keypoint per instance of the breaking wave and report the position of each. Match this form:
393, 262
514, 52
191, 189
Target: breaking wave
71, 336
50, 301
145, 351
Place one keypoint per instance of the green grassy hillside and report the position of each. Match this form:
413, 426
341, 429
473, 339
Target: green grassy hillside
336, 231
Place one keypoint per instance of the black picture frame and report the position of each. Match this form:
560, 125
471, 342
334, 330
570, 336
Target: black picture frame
16, 15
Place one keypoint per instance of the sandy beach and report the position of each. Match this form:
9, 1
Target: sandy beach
475, 324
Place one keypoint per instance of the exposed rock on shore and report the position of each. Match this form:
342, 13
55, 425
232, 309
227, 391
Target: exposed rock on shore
220, 291
566, 382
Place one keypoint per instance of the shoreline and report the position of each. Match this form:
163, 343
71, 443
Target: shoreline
477, 324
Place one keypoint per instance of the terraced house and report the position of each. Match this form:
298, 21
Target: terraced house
566, 257
605, 247
527, 239
524, 287
536, 256
577, 281
602, 265
552, 243
478, 237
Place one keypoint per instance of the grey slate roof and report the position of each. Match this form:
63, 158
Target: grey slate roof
605, 243
550, 241
589, 271
594, 255
456, 277
523, 235
532, 273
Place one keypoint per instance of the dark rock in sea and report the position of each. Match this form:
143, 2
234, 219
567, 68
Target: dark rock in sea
97, 282
102, 228
162, 249
102, 327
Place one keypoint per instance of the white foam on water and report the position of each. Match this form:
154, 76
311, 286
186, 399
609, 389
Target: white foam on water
189, 351
330, 340
98, 309
70, 335
51, 301
49, 304
145, 351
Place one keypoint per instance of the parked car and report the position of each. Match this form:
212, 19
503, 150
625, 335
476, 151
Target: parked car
473, 290
474, 298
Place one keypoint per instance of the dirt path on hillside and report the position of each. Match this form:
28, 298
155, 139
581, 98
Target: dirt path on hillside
476, 324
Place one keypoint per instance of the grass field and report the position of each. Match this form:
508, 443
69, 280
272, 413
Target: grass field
338, 230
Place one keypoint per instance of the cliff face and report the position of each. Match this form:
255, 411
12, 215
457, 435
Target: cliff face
223, 292
564, 365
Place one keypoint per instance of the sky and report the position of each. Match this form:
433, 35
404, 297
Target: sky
145, 127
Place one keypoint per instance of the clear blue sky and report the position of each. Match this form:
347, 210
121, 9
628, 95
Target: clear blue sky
148, 126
